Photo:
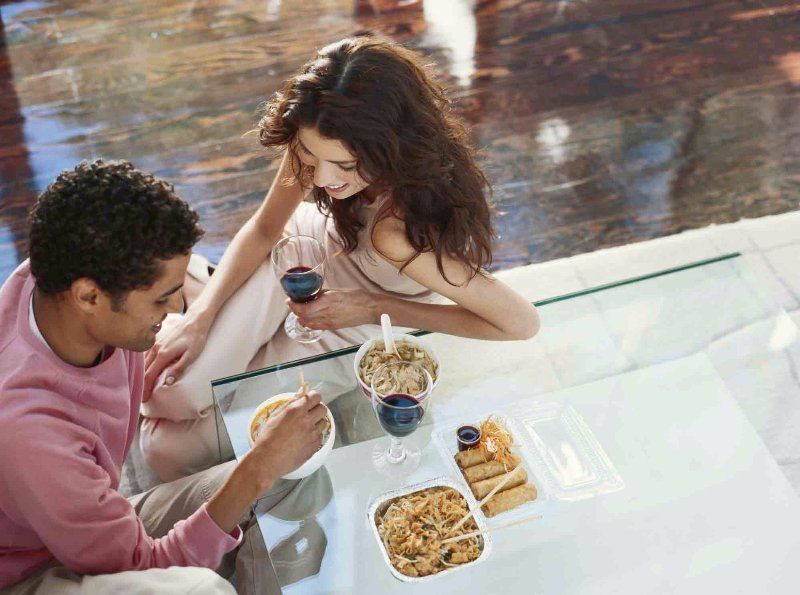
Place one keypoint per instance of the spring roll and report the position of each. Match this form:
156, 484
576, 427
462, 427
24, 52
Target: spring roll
482, 488
509, 499
470, 457
483, 471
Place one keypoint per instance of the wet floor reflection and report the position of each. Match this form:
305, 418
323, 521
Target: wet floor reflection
598, 124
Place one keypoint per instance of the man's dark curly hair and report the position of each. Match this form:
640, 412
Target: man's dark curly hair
111, 223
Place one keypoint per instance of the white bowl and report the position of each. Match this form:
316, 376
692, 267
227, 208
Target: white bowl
317, 459
362, 351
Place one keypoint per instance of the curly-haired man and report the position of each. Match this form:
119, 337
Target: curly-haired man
109, 247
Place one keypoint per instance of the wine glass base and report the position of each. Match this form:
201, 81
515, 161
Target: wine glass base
300, 333
385, 465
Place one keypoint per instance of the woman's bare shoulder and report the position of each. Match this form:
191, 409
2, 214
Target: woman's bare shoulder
390, 240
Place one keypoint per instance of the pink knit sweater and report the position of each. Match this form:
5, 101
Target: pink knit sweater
64, 434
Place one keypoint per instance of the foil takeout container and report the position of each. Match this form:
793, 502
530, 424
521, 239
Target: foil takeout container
379, 505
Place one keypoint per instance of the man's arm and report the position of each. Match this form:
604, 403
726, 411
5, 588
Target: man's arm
288, 439
51, 482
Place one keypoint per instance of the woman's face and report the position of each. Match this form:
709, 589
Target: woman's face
335, 167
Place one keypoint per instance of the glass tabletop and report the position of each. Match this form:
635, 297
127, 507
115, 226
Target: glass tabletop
685, 384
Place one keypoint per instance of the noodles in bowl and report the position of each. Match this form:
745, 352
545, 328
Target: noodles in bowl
263, 414
269, 408
272, 406
372, 355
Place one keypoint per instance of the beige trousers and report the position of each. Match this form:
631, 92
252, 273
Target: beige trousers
178, 433
159, 509
58, 580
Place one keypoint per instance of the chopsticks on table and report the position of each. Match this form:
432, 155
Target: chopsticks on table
531, 517
496, 489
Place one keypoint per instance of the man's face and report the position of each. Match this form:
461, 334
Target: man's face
138, 318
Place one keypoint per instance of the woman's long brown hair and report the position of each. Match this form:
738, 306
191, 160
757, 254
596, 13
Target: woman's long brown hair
378, 99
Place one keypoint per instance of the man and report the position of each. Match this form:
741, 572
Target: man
109, 246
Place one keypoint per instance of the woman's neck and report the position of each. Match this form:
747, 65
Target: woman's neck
371, 193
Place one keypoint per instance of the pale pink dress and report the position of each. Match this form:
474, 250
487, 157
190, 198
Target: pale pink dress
178, 432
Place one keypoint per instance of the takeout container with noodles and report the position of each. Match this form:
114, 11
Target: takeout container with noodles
271, 406
411, 348
377, 510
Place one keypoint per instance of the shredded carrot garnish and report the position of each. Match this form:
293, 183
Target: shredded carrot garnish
496, 442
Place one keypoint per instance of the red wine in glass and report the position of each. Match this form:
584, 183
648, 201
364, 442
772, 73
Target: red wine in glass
301, 284
399, 414
298, 263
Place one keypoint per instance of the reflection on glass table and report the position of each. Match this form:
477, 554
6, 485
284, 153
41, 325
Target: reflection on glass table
660, 420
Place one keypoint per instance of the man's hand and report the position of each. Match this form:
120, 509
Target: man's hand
287, 440
290, 436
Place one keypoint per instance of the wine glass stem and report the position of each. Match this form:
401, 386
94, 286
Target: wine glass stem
397, 453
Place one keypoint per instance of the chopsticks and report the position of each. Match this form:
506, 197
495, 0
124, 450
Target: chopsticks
304, 392
496, 489
531, 517
303, 384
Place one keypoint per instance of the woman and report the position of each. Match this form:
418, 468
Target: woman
401, 209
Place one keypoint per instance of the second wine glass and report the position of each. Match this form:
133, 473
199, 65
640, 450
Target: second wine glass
401, 394
299, 265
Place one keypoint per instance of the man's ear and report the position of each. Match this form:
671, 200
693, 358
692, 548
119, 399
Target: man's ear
86, 295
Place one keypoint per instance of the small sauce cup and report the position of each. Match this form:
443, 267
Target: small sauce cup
468, 437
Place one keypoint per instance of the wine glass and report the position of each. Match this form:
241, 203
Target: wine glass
299, 264
401, 393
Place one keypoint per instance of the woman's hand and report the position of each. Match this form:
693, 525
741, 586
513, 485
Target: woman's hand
176, 348
337, 308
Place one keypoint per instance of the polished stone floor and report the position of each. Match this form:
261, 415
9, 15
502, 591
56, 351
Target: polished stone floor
599, 123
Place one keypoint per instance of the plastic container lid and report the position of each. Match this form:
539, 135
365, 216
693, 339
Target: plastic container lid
565, 451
